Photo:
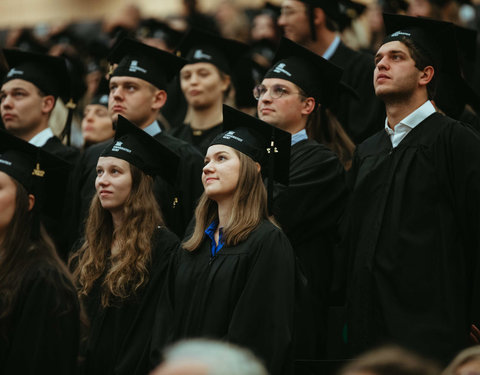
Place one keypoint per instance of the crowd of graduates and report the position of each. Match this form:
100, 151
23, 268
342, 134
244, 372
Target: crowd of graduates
264, 177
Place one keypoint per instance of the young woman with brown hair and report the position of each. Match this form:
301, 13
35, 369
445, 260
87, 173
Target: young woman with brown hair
119, 267
39, 310
234, 277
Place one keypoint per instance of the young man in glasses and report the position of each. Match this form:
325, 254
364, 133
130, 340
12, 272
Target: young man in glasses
314, 25
309, 208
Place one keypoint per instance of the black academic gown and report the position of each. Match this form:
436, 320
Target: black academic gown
41, 335
201, 139
243, 295
308, 211
57, 148
364, 115
177, 203
414, 226
119, 335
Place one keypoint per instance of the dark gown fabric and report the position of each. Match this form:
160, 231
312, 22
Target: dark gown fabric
177, 203
57, 148
41, 335
201, 139
364, 115
308, 210
119, 336
413, 234
243, 295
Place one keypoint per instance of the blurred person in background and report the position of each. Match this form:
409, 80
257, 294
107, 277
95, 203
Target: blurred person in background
467, 362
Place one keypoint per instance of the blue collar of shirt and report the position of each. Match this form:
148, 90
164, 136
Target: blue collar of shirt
210, 232
331, 48
153, 129
300, 136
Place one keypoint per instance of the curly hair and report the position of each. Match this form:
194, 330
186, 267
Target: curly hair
127, 271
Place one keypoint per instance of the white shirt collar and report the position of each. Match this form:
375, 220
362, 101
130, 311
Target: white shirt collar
299, 136
331, 48
153, 129
401, 129
41, 138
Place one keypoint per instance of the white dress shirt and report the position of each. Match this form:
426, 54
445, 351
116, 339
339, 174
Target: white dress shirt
153, 129
41, 138
405, 126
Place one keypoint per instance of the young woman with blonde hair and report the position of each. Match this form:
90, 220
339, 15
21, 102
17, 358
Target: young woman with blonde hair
234, 277
119, 267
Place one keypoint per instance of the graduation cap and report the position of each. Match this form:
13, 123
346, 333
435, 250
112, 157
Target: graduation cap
349, 11
42, 174
435, 38
394, 6
134, 145
264, 143
101, 95
330, 7
153, 28
27, 41
138, 60
202, 46
316, 76
48, 73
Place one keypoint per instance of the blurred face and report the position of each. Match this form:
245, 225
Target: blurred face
395, 74
202, 85
420, 8
96, 124
134, 99
263, 28
470, 368
221, 172
294, 21
8, 194
22, 107
285, 112
113, 183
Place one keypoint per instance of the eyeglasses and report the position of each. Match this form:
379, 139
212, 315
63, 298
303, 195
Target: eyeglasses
276, 91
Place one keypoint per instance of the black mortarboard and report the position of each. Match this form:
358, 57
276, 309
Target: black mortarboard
134, 145
151, 64
435, 38
201, 46
153, 28
40, 172
316, 76
394, 6
260, 141
101, 95
48, 73
349, 11
26, 41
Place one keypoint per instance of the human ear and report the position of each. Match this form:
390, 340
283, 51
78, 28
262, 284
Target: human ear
308, 106
426, 75
259, 167
159, 99
48, 103
31, 201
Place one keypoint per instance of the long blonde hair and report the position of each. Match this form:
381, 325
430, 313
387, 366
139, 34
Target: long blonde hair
127, 271
248, 210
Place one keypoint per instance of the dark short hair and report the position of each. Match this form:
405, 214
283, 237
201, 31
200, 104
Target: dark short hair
422, 60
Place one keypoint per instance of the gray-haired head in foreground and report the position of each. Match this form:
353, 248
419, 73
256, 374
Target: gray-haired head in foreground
210, 358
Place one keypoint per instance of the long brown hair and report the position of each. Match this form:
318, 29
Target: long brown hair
248, 210
127, 271
22, 250
323, 127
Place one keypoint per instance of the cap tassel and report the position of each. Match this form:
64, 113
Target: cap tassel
271, 171
66, 133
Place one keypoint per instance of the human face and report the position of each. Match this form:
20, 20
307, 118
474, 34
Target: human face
263, 28
221, 172
395, 75
8, 194
287, 112
113, 183
22, 108
295, 22
472, 367
202, 85
420, 8
96, 124
134, 99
